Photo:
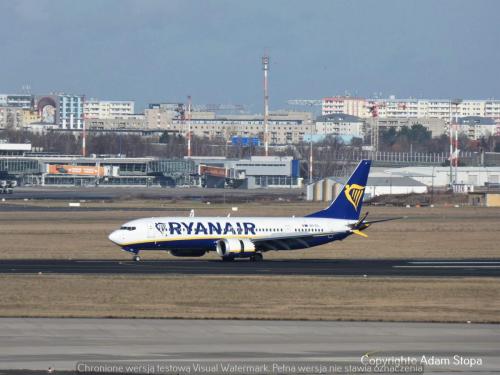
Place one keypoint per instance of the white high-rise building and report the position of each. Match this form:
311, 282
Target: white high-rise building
429, 108
343, 125
344, 104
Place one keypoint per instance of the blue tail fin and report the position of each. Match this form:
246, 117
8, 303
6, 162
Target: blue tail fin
348, 203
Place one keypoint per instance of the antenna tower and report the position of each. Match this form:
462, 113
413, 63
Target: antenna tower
265, 67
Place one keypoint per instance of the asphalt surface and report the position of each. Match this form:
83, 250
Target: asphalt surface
319, 267
154, 192
61, 344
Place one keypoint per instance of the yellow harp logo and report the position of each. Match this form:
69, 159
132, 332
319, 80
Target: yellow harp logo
353, 194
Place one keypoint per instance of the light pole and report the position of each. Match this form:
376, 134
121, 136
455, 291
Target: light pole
456, 103
451, 145
432, 185
313, 131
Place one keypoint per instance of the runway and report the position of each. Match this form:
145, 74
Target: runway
317, 267
154, 192
38, 344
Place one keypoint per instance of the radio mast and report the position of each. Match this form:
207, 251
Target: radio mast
265, 67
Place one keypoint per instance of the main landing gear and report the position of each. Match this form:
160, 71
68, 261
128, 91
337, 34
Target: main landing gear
257, 257
136, 258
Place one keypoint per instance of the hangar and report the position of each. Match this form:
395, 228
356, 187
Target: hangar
252, 173
378, 184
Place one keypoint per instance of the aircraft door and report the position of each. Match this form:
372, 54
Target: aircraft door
150, 230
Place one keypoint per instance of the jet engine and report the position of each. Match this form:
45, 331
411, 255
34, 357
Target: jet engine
233, 247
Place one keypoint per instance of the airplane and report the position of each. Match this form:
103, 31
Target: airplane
250, 237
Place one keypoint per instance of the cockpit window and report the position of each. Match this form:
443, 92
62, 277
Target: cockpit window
127, 228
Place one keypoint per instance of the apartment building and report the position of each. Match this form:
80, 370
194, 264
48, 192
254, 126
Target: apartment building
344, 104
436, 126
124, 122
424, 108
108, 109
11, 117
475, 127
340, 124
284, 128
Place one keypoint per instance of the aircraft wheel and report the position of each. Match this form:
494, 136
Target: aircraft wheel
257, 257
136, 258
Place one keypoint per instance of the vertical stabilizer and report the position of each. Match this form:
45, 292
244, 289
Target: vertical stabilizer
347, 205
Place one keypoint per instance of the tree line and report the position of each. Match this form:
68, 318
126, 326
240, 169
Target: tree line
418, 139
325, 152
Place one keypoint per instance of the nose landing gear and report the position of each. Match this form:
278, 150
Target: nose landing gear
136, 258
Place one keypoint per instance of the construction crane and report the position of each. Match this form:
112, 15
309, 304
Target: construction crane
181, 108
220, 107
305, 102
313, 105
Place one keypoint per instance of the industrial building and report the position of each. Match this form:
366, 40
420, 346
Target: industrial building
440, 176
253, 173
485, 198
14, 149
477, 181
377, 184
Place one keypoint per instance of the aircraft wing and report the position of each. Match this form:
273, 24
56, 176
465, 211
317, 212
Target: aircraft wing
288, 242
299, 240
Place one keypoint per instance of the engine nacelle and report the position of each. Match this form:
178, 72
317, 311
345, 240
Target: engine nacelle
234, 247
187, 253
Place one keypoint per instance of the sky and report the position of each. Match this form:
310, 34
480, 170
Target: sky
163, 50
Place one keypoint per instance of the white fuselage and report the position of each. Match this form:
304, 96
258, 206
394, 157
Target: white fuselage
173, 233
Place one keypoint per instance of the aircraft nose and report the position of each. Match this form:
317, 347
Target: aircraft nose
115, 237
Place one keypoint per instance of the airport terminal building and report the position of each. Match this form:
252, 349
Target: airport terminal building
29, 168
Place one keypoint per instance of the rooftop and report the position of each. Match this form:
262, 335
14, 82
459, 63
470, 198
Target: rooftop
338, 117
